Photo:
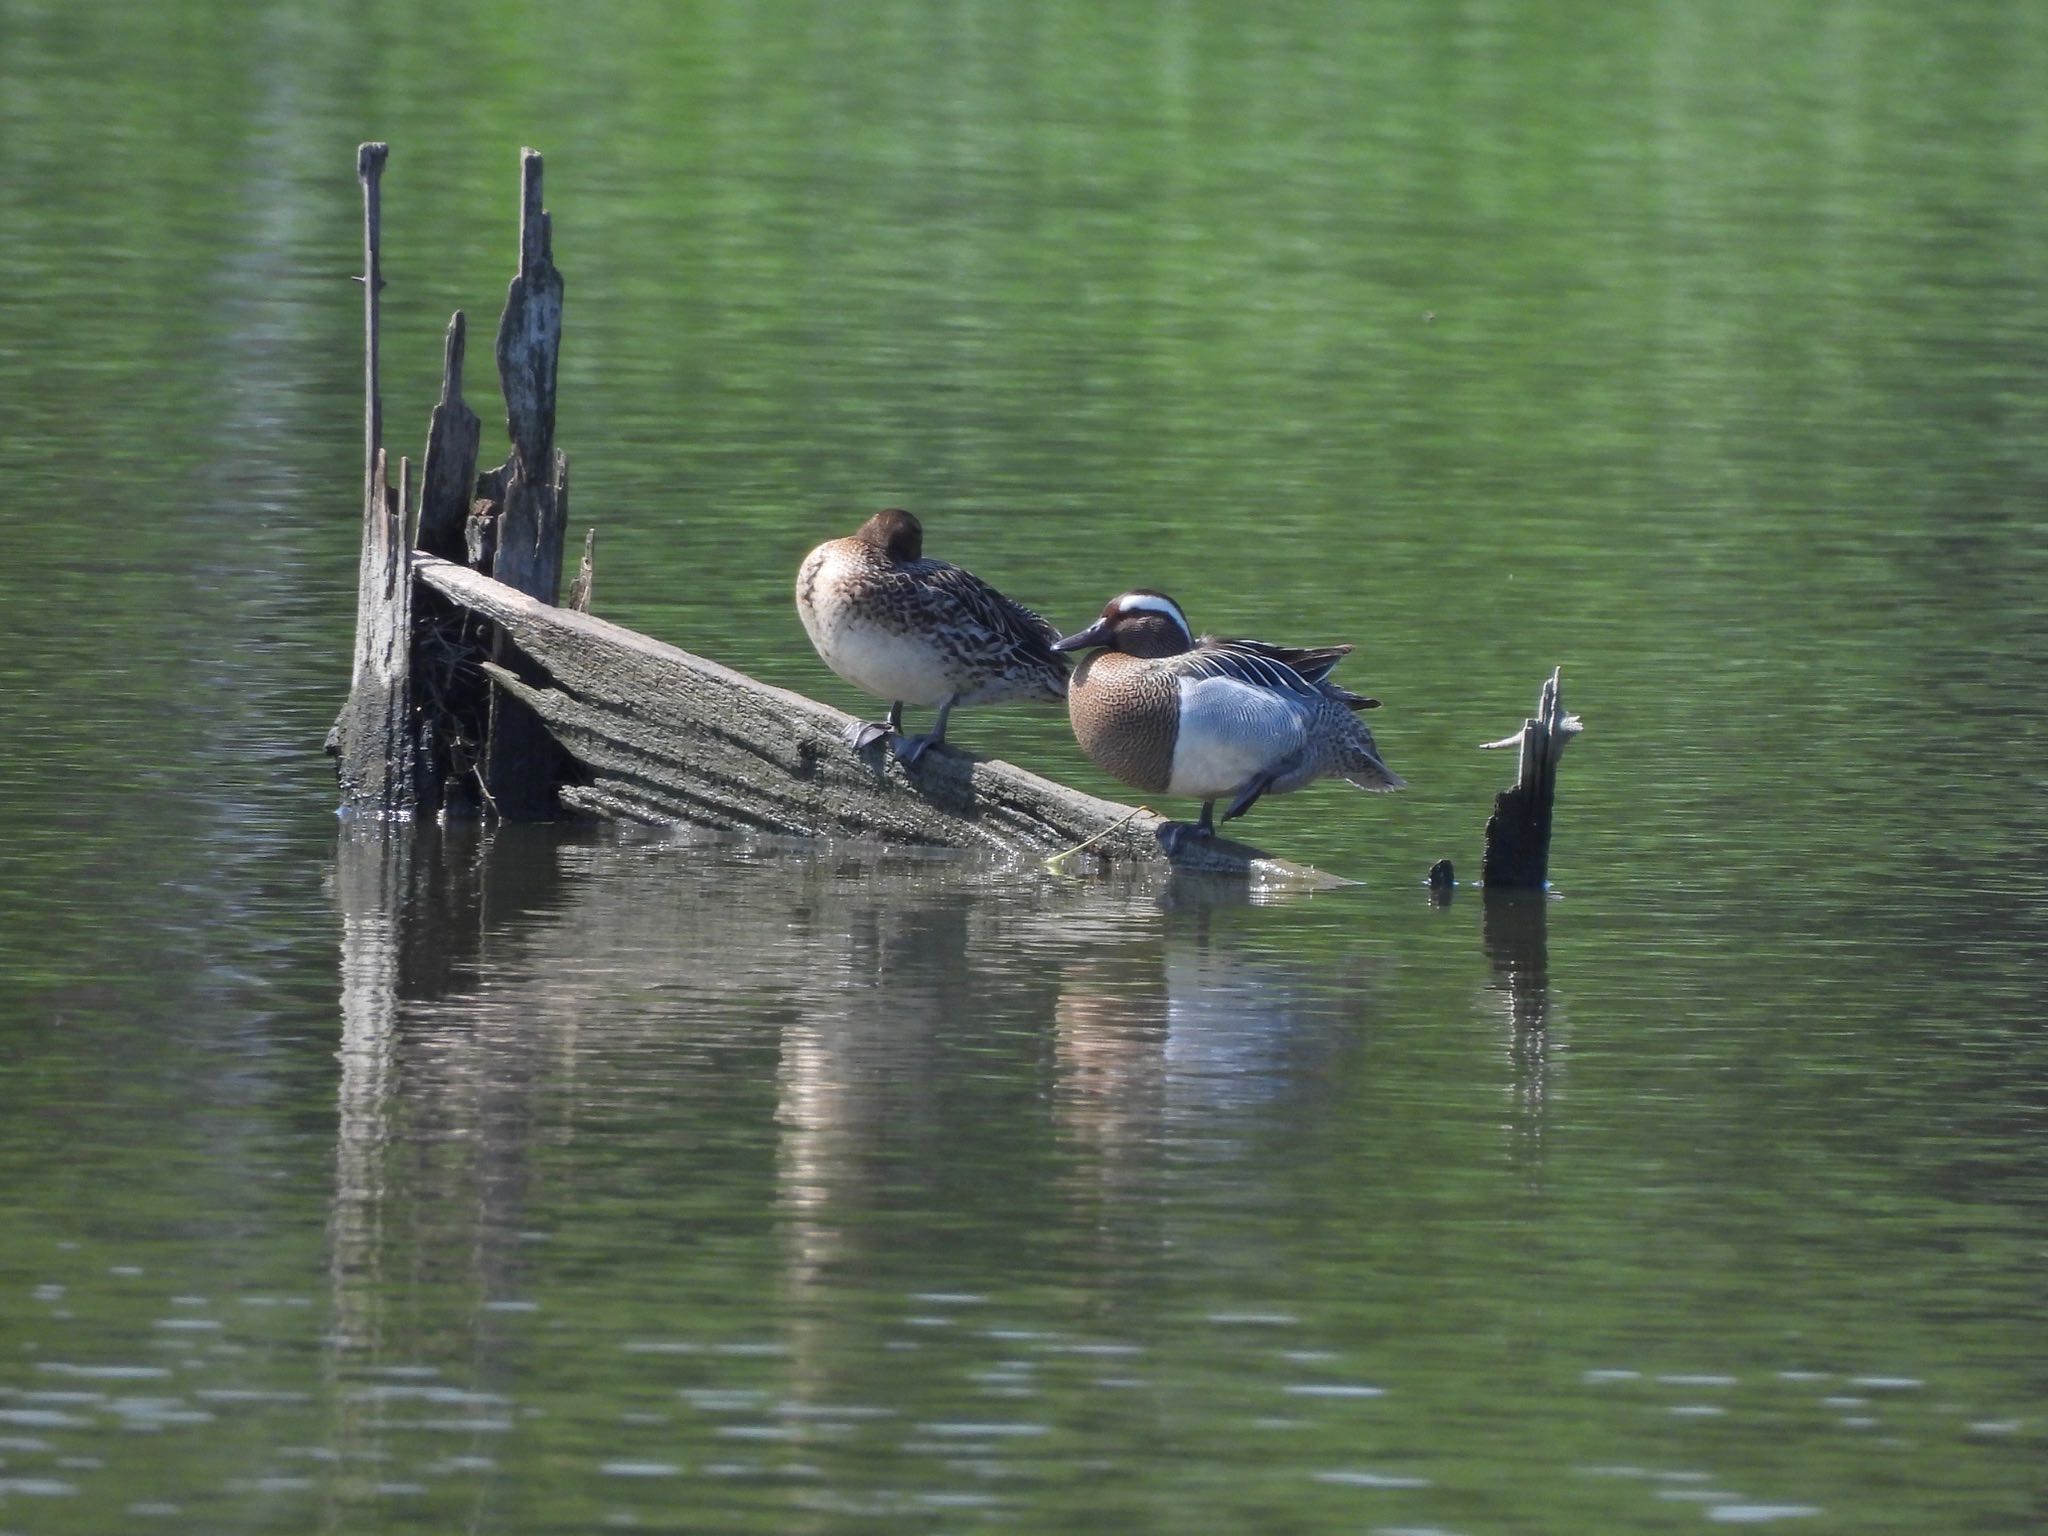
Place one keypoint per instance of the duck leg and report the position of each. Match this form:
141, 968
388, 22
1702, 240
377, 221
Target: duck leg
863, 734
910, 752
1249, 795
1173, 835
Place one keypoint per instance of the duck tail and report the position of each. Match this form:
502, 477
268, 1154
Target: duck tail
1367, 771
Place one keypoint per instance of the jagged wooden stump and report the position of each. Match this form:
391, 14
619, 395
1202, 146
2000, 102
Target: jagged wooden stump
1518, 831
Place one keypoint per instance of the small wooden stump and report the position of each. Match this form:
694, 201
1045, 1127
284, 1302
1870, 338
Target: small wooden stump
1518, 831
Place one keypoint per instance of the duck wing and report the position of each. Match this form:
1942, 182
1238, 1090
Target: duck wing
1312, 662
1302, 671
1003, 620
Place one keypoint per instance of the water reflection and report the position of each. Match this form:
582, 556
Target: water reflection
1515, 930
1175, 1040
833, 1183
999, 1061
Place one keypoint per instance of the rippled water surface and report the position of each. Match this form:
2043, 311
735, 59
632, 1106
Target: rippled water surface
564, 1180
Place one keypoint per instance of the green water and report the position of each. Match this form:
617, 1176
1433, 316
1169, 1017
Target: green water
571, 1181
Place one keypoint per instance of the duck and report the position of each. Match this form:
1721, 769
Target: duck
1169, 713
916, 631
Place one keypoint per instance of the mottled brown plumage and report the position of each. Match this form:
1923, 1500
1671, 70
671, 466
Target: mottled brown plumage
917, 631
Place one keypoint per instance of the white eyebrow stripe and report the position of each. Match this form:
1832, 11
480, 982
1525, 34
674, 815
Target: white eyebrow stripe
1151, 603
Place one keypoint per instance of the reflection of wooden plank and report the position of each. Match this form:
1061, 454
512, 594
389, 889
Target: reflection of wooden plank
1518, 831
661, 735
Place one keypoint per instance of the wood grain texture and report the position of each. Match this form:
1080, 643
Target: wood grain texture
661, 735
586, 574
374, 743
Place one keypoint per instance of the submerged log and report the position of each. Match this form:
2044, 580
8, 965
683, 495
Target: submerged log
1518, 831
660, 735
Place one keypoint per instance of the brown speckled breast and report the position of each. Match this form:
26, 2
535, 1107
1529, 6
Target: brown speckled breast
1126, 715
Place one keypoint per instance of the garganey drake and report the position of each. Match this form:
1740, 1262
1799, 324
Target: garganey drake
1171, 714
918, 631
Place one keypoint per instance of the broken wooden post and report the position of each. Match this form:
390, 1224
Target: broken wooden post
373, 741
452, 703
370, 160
1518, 831
586, 574
522, 764
530, 528
448, 472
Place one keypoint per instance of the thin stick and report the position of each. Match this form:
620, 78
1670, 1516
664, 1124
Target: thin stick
1057, 863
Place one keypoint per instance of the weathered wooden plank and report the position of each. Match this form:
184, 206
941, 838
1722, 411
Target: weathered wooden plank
658, 734
448, 472
1518, 832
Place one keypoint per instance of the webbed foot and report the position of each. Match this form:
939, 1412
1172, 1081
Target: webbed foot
863, 734
1176, 835
910, 750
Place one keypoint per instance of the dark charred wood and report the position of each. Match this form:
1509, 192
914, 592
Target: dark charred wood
448, 472
1518, 832
522, 763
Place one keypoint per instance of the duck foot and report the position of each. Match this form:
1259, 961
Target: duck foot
1176, 835
863, 734
910, 750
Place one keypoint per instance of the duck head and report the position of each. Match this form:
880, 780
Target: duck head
1139, 623
895, 533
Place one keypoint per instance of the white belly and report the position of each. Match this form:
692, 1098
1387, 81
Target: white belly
893, 666
876, 658
1230, 732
